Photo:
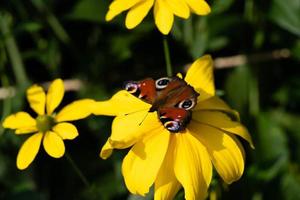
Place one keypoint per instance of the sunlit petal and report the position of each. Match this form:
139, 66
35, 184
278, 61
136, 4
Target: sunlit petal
143, 161
200, 7
217, 104
28, 150
53, 144
37, 99
55, 95
224, 122
163, 16
21, 121
137, 13
118, 6
166, 185
193, 167
121, 103
76, 110
106, 150
128, 129
179, 8
26, 130
226, 154
66, 131
200, 76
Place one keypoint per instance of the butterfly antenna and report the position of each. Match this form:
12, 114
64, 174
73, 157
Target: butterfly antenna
143, 119
135, 111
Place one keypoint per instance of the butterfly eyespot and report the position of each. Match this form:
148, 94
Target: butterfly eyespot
162, 82
172, 126
187, 104
131, 87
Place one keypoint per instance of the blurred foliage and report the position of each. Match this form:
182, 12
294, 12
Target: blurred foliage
44, 39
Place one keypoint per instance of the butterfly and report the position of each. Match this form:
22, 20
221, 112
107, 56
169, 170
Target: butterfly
171, 97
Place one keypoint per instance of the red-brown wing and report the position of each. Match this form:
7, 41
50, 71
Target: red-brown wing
174, 119
176, 93
144, 89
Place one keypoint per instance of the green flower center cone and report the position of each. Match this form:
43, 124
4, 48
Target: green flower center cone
44, 123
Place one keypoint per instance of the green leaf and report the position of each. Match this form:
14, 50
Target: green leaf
286, 14
272, 141
290, 186
221, 6
30, 27
89, 10
238, 96
271, 152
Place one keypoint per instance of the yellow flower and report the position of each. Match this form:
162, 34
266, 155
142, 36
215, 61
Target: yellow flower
164, 11
173, 160
47, 126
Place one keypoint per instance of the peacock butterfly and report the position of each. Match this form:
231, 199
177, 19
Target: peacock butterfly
171, 97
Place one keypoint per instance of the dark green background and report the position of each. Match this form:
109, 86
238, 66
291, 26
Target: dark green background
71, 40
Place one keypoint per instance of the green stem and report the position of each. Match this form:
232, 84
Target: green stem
167, 57
6, 103
253, 95
77, 170
52, 20
13, 51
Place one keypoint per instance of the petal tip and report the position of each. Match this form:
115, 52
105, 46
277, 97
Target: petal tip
109, 16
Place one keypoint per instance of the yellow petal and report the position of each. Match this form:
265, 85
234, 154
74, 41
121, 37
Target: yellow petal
137, 13
37, 99
166, 184
118, 6
216, 104
223, 122
128, 129
21, 121
54, 145
121, 103
106, 150
141, 164
200, 7
179, 8
163, 16
200, 76
76, 110
66, 131
179, 75
26, 130
28, 150
226, 154
55, 95
213, 103
193, 168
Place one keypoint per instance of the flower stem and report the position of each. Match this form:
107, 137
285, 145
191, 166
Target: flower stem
167, 57
13, 50
77, 170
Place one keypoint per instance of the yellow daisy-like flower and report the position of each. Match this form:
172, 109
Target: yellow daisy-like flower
164, 11
47, 126
173, 160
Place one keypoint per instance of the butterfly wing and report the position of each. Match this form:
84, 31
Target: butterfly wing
172, 98
176, 100
144, 89
174, 119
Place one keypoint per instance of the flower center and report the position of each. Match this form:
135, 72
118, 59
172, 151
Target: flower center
44, 123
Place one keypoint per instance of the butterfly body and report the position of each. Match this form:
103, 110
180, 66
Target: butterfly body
172, 98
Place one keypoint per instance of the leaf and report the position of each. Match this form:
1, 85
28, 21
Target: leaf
272, 141
286, 14
271, 149
221, 6
30, 27
237, 87
290, 186
89, 10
